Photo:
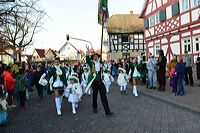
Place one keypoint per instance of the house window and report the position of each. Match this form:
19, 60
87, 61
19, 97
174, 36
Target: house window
195, 3
146, 23
184, 5
152, 21
125, 39
187, 45
157, 49
175, 9
157, 18
162, 15
196, 40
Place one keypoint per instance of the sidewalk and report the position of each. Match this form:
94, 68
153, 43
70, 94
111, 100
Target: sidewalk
190, 101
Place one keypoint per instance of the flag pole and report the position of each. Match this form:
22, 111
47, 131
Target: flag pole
102, 36
101, 69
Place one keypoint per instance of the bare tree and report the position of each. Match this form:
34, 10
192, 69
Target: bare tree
21, 24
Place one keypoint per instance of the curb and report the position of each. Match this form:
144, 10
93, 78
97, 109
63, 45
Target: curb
186, 107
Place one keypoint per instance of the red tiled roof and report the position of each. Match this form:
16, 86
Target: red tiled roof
41, 52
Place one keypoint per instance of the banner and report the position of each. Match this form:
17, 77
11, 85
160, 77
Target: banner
103, 11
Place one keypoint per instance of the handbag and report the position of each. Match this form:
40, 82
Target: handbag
3, 117
3, 104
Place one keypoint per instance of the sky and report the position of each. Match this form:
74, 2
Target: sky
78, 18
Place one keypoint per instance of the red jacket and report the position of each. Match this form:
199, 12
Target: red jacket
9, 81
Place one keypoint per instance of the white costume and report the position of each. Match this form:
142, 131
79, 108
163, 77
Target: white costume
57, 85
107, 80
84, 82
75, 93
122, 80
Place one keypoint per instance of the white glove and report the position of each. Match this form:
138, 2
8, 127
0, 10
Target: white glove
51, 88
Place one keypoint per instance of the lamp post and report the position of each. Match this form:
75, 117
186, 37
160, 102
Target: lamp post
79, 39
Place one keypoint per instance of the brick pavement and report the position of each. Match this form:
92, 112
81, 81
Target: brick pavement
131, 115
189, 101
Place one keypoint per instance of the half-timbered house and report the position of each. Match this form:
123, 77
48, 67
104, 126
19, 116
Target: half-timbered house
172, 25
126, 35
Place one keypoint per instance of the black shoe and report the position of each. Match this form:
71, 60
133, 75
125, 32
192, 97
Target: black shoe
95, 111
192, 85
109, 113
154, 88
151, 87
122, 92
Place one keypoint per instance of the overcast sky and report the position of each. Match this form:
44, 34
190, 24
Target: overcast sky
79, 19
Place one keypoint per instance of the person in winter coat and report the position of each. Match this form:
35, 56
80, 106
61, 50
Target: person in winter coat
161, 64
9, 83
21, 87
198, 68
151, 66
180, 70
36, 76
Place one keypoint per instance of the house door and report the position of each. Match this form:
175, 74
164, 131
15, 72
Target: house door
126, 55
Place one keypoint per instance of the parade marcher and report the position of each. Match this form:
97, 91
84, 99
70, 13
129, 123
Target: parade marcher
180, 70
21, 87
135, 74
188, 69
9, 83
107, 79
198, 68
36, 78
161, 70
75, 92
57, 82
122, 80
151, 66
96, 81
85, 76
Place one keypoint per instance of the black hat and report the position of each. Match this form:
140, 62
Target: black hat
92, 56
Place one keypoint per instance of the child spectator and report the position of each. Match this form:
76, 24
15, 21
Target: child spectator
21, 87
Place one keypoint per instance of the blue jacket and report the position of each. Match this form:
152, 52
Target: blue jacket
180, 69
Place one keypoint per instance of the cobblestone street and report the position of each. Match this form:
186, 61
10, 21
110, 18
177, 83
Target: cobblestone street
131, 114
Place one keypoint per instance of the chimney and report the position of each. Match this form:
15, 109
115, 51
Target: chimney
131, 12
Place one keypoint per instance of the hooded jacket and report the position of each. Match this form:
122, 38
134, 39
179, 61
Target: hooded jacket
9, 81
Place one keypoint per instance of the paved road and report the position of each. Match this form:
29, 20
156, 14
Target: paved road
131, 115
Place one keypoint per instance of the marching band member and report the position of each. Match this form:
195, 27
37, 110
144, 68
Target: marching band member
96, 81
122, 80
107, 79
57, 83
85, 76
75, 92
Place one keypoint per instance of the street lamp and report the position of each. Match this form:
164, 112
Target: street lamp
78, 39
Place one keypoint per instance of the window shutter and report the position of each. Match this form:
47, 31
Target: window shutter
162, 15
146, 23
175, 9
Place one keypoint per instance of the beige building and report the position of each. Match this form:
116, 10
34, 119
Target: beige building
42, 55
126, 36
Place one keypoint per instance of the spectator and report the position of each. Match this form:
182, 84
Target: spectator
151, 66
9, 82
171, 65
161, 65
188, 69
198, 68
180, 69
21, 86
36, 77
